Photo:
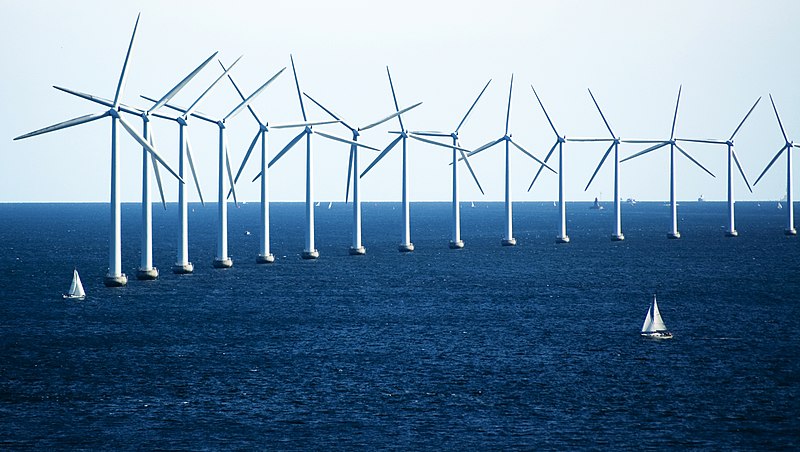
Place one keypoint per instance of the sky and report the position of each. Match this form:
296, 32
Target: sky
634, 55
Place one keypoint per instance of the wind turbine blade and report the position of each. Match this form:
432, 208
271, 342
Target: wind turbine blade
470, 111
601, 114
485, 147
469, 167
650, 149
344, 140
257, 176
745, 119
156, 171
432, 134
241, 95
741, 171
686, 154
63, 125
330, 112
545, 114
675, 117
252, 97
508, 112
167, 97
691, 140
542, 167
191, 108
191, 165
398, 113
230, 174
639, 141
596, 170
770, 163
396, 107
297, 84
286, 149
349, 174
247, 155
531, 156
779, 119
589, 140
302, 124
147, 146
89, 97
382, 154
436, 143
124, 75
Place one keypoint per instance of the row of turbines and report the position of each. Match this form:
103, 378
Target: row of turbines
151, 160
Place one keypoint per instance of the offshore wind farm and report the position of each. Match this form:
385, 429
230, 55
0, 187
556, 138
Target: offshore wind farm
307, 317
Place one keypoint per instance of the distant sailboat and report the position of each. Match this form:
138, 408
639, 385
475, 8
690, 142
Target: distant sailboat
317, 204
701, 199
653, 326
330, 204
780, 206
472, 204
76, 288
596, 205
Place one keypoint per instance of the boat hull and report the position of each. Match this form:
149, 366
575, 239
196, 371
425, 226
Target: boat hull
658, 335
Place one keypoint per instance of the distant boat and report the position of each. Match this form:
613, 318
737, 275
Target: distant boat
317, 204
596, 205
653, 326
780, 206
472, 204
555, 204
700, 199
76, 288
246, 232
631, 201
330, 204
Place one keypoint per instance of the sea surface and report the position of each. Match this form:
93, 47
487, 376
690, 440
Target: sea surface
533, 347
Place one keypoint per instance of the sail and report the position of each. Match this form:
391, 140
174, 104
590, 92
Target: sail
647, 326
658, 324
76, 288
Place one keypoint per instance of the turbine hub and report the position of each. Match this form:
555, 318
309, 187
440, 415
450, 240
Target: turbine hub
356, 134
221, 124
264, 127
308, 129
404, 134
114, 113
182, 121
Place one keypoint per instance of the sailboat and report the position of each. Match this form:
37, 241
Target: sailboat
76, 288
472, 204
653, 326
780, 206
317, 204
596, 205
330, 204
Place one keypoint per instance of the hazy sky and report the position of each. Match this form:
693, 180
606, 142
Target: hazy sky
632, 54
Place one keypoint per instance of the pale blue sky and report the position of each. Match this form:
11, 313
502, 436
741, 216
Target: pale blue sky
633, 55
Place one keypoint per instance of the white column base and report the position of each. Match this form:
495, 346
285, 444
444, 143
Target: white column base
562, 239
183, 269
509, 242
732, 233
310, 255
147, 274
456, 245
115, 281
223, 263
360, 251
792, 231
673, 235
617, 237
265, 259
406, 247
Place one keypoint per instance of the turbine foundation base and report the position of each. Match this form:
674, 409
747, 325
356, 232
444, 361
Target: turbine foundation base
562, 239
223, 263
673, 235
265, 259
617, 237
791, 231
456, 244
310, 255
509, 242
732, 233
183, 269
360, 251
115, 281
406, 247
147, 274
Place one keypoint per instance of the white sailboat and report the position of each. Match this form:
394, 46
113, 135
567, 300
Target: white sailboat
330, 204
653, 326
76, 288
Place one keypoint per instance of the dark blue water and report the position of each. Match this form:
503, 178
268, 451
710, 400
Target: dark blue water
531, 347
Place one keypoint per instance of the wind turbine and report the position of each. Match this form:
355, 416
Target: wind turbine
357, 249
673, 233
562, 236
790, 230
731, 232
264, 256
182, 264
310, 252
456, 242
146, 269
508, 238
405, 245
115, 277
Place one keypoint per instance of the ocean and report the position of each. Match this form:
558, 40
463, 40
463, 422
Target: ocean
486, 348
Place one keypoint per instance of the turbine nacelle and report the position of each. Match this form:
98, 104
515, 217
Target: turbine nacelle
182, 120
114, 113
